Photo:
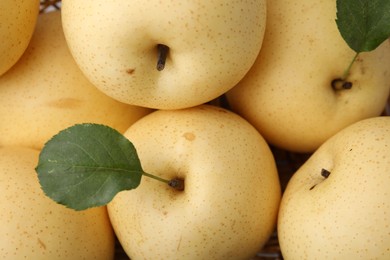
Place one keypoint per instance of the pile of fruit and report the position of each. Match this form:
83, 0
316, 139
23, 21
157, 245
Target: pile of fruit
195, 130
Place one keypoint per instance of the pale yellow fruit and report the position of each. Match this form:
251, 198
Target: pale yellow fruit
229, 205
32, 226
17, 23
212, 45
347, 215
46, 92
287, 95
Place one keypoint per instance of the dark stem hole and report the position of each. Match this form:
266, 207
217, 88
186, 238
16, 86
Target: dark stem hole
325, 173
340, 84
177, 184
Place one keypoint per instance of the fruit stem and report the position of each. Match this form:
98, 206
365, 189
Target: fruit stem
177, 184
162, 56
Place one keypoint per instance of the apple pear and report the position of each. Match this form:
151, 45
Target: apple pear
288, 94
46, 92
17, 24
32, 226
337, 205
231, 195
164, 55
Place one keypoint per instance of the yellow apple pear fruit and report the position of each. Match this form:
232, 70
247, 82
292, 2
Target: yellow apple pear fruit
337, 205
17, 24
208, 47
288, 95
46, 92
229, 205
32, 226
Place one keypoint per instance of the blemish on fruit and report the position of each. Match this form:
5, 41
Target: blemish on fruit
312, 187
178, 245
41, 244
363, 70
130, 71
189, 136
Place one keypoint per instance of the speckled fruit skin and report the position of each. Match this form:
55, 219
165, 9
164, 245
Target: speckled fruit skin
46, 92
17, 20
32, 226
347, 215
212, 46
287, 94
229, 206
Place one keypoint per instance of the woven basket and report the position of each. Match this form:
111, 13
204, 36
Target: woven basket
287, 163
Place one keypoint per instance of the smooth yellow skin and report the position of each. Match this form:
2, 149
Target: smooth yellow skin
17, 23
212, 46
347, 215
229, 206
32, 226
287, 94
46, 92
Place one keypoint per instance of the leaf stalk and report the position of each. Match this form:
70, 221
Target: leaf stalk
155, 177
348, 70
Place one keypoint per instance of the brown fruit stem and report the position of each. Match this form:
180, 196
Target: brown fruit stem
162, 56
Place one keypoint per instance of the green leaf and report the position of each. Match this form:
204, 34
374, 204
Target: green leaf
364, 24
86, 165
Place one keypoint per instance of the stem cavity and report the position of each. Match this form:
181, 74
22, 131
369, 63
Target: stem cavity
339, 84
325, 173
177, 184
162, 56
